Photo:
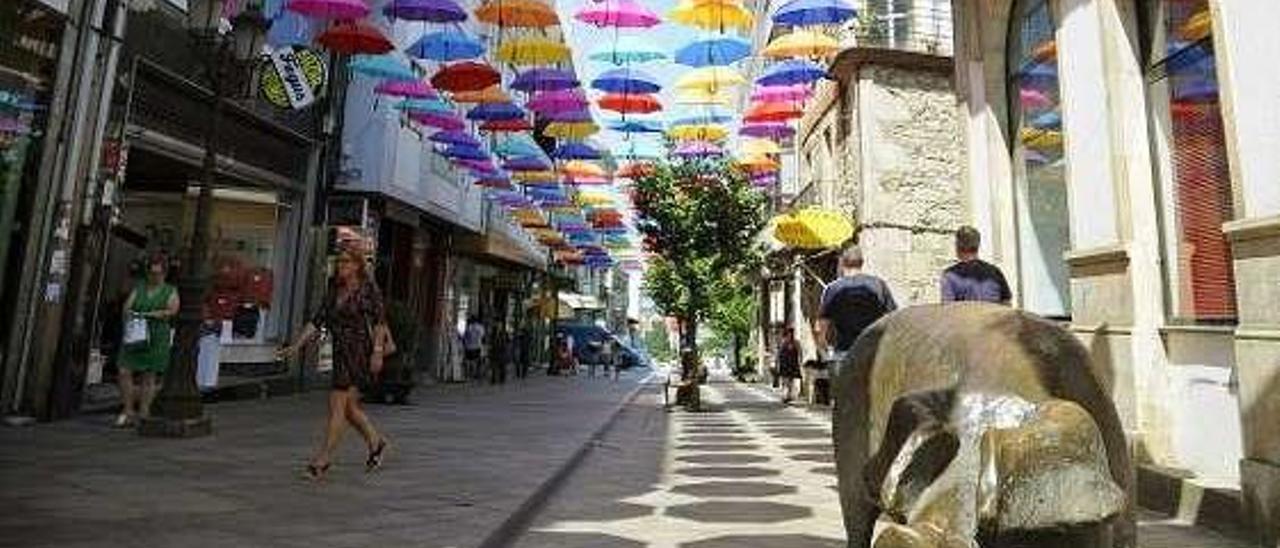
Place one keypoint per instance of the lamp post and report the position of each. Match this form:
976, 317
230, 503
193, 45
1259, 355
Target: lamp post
178, 411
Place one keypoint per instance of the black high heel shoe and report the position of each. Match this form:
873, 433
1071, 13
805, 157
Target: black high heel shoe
375, 456
316, 472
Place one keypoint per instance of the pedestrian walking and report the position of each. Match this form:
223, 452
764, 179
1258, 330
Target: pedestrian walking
522, 348
562, 360
147, 340
971, 278
353, 313
499, 355
850, 305
473, 342
788, 365
615, 359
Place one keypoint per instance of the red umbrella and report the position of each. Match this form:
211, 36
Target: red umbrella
465, 76
630, 103
776, 111
354, 37
506, 125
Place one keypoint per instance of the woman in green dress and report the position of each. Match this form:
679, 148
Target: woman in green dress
157, 303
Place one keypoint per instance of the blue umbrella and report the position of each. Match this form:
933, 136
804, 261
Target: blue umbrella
461, 138
465, 153
1048, 120
636, 126
433, 106
519, 146
575, 151
446, 45
792, 71
382, 66
495, 111
707, 117
626, 80
642, 149
1037, 72
814, 12
626, 50
544, 79
526, 163
715, 52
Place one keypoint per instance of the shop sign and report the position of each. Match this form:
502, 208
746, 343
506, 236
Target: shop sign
291, 77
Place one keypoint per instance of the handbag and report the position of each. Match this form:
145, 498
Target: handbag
136, 332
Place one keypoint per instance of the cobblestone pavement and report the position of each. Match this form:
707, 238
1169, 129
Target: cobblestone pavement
753, 474
462, 461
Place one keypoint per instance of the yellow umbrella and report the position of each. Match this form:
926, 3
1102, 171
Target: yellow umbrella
518, 13
697, 96
579, 169
529, 217
803, 43
1044, 139
698, 132
760, 147
491, 94
535, 176
533, 50
710, 79
713, 14
813, 228
571, 130
758, 162
594, 199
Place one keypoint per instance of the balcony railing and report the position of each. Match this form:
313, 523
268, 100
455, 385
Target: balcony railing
920, 26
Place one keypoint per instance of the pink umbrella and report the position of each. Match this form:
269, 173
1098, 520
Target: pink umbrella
438, 121
697, 148
1033, 99
768, 94
413, 89
548, 102
329, 9
618, 13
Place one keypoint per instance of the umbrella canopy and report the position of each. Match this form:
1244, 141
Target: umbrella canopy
575, 151
572, 116
460, 138
532, 50
714, 52
465, 76
464, 153
801, 43
634, 170
641, 150
536, 177
445, 122
382, 66
707, 116
772, 112
571, 130
558, 101
760, 147
495, 111
519, 145
767, 130
544, 79
814, 12
697, 148
353, 38
329, 9
704, 97
491, 94
581, 169
713, 14
434, 11
526, 163
797, 92
432, 106
630, 103
412, 89
813, 228
758, 163
626, 80
452, 44
518, 13
791, 72
698, 132
497, 181
636, 126
710, 79
627, 50
512, 125
618, 13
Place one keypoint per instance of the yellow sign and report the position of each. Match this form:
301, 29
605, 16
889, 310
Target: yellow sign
291, 77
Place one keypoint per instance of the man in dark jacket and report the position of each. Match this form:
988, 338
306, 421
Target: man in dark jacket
850, 305
971, 278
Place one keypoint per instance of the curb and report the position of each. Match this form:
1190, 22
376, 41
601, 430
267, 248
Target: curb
519, 520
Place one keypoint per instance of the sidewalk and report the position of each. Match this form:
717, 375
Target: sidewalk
463, 460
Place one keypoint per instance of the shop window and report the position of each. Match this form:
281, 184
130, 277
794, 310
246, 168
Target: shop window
1039, 164
1192, 160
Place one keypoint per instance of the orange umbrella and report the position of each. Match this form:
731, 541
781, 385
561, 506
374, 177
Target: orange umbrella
772, 112
491, 94
518, 13
630, 103
631, 171
579, 169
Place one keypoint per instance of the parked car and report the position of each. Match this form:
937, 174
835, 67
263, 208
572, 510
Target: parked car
586, 334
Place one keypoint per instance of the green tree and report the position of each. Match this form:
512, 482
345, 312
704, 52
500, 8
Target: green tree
658, 342
733, 314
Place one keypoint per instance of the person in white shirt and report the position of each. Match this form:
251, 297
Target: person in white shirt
473, 340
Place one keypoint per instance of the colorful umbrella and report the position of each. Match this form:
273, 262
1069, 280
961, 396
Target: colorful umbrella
697, 148
760, 147
496, 181
329, 9
536, 177
767, 130
813, 228
791, 72
464, 153
711, 79
801, 43
460, 138
532, 50
571, 130
713, 14
381, 66
714, 52
705, 97
581, 169
465, 76
634, 170
413, 89
434, 11
641, 150
518, 13
758, 163
526, 163
447, 122
544, 79
636, 126
495, 111
618, 13
558, 101
798, 92
452, 44
513, 125
355, 37
698, 132
772, 112
814, 12
571, 116
434, 106
630, 103
707, 116
575, 151
491, 94
627, 50
626, 80
519, 145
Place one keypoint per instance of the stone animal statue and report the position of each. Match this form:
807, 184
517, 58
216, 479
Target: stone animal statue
969, 424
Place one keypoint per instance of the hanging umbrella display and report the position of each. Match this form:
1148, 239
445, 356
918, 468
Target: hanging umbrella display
707, 116
532, 50
758, 163
464, 153
641, 150
760, 147
491, 94
801, 43
791, 72
518, 145
513, 125
697, 149
593, 199
627, 50
618, 13
710, 79
433, 11
518, 13
772, 112
452, 44
544, 79
465, 76
571, 130
381, 66
329, 9
495, 111
703, 97
460, 138
813, 228
714, 52
626, 80
412, 89
433, 106
354, 37
526, 163
496, 181
569, 116
800, 13
536, 177
697, 132
446, 122
581, 169
713, 14
797, 92
558, 101
575, 151
767, 130
636, 126
630, 103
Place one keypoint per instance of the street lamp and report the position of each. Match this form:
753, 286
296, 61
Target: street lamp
178, 411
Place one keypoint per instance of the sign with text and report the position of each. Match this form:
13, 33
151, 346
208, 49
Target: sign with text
292, 77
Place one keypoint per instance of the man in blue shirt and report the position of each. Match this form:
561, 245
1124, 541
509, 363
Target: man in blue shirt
971, 278
851, 304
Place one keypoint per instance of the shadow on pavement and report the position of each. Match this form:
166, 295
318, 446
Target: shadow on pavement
579, 540
718, 447
727, 472
732, 511
765, 541
722, 458
741, 489
825, 458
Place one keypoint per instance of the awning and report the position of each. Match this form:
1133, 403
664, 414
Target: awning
812, 228
578, 301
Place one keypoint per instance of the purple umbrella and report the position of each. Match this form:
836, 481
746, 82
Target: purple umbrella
465, 153
544, 79
575, 151
697, 148
626, 80
570, 116
547, 102
447, 122
435, 11
526, 163
411, 89
768, 130
792, 72
455, 137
